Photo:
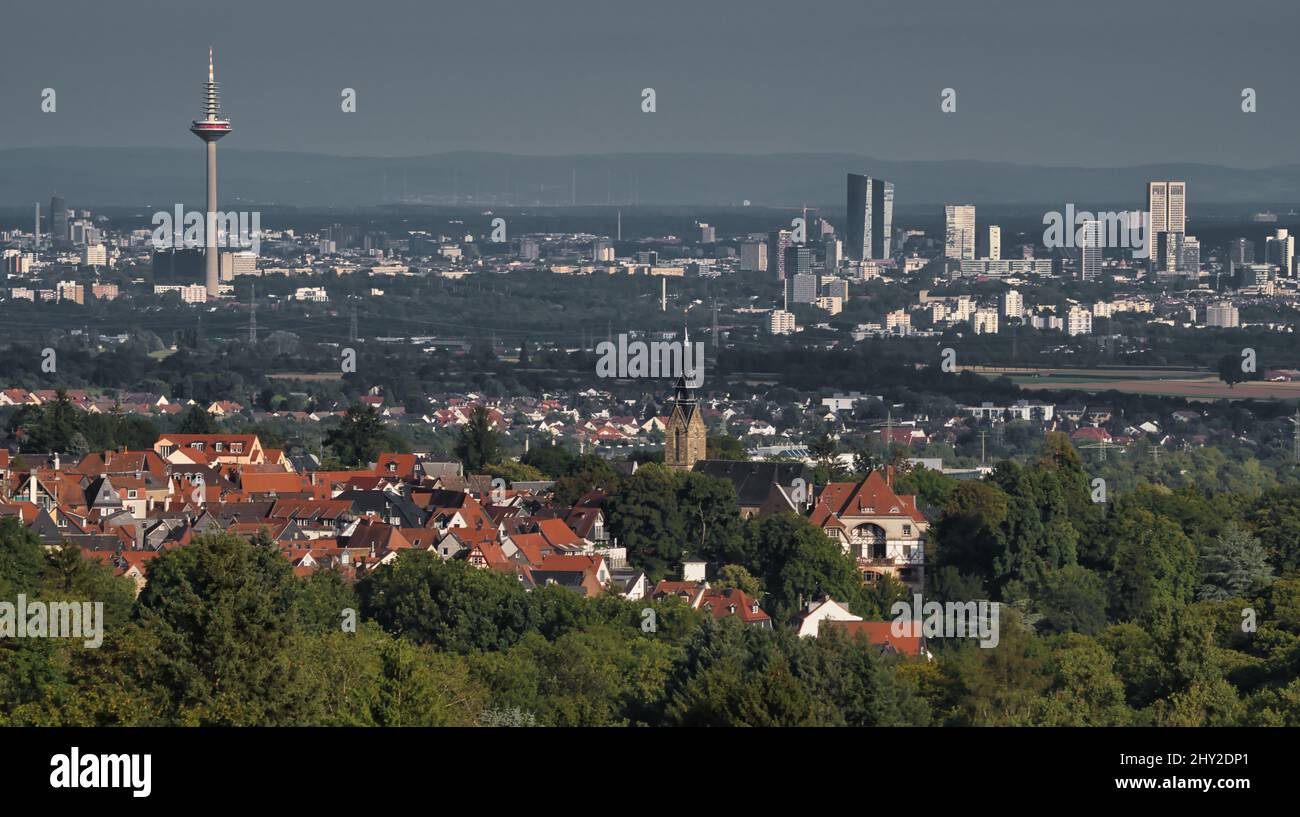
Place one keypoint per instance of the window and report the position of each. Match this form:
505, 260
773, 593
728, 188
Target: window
236, 448
907, 530
131, 493
216, 446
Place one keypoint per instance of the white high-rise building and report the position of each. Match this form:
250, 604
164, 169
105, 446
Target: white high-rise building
985, 321
995, 242
94, 255
959, 238
1078, 321
898, 322
1222, 315
1013, 304
780, 322
1279, 250
1167, 206
1092, 239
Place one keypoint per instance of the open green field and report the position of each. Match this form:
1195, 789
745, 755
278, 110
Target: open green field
1191, 384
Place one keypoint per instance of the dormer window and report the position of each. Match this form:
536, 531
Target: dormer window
236, 448
216, 447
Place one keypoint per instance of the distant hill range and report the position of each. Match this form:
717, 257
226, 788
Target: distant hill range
100, 177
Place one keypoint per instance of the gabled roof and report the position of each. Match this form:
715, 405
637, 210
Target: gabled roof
733, 602
871, 497
753, 481
880, 633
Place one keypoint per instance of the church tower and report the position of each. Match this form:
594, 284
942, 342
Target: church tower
685, 436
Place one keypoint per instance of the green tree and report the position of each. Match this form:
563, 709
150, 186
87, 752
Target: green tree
1234, 564
1154, 563
737, 577
359, 438
645, 516
725, 447
197, 421
450, 605
478, 444
220, 612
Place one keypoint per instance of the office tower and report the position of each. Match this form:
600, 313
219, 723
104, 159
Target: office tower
602, 250
1167, 206
1241, 251
708, 234
1190, 259
836, 288
1092, 236
777, 242
798, 260
959, 240
234, 264
1177, 200
753, 256
529, 249
211, 127
1013, 304
831, 253
804, 287
1222, 315
59, 235
177, 263
869, 219
1279, 250
94, 255
995, 242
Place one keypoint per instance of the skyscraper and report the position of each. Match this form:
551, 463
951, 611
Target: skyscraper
798, 260
869, 218
1279, 250
1167, 204
959, 239
753, 256
1090, 250
211, 127
1190, 258
995, 242
777, 242
59, 235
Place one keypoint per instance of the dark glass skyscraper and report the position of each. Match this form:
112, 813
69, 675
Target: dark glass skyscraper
59, 235
870, 218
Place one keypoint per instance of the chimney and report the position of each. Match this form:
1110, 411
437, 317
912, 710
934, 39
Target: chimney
31, 487
56, 461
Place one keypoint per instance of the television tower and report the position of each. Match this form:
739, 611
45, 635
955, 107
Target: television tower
211, 127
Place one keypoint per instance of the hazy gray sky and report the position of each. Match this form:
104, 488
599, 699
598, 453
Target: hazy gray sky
1095, 83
